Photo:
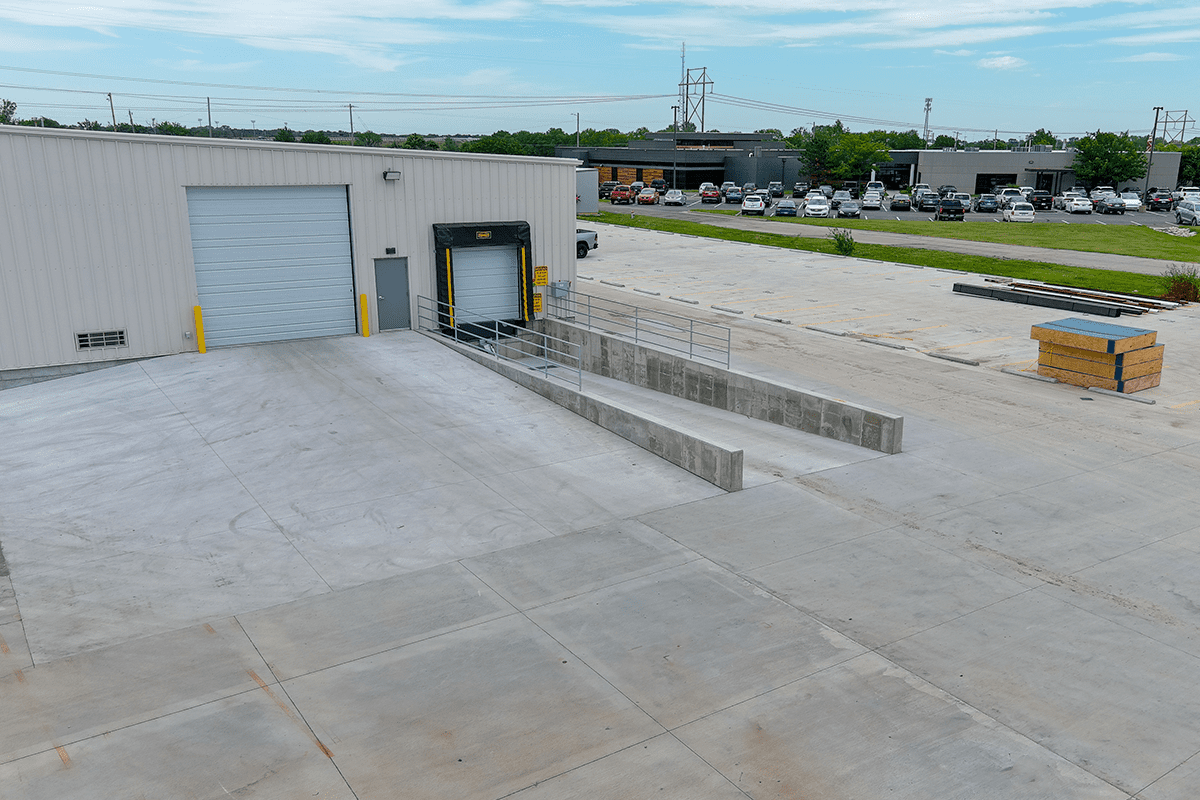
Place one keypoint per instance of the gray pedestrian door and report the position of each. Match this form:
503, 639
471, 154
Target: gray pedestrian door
391, 291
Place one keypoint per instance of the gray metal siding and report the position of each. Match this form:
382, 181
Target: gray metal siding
272, 263
97, 231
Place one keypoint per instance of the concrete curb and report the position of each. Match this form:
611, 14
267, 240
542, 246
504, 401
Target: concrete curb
882, 343
769, 318
613, 283
1122, 395
728, 310
685, 300
824, 330
1031, 375
956, 359
647, 291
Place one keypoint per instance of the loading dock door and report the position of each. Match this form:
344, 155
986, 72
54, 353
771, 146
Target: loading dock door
486, 282
272, 263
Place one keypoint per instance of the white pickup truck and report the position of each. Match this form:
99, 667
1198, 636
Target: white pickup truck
584, 241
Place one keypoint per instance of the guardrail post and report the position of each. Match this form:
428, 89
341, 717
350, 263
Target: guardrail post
691, 337
635, 322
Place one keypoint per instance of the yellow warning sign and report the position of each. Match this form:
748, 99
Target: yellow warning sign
537, 304
541, 276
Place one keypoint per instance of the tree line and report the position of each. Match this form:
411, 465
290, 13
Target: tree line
830, 152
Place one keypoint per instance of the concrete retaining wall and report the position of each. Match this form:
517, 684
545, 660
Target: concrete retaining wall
720, 466
730, 390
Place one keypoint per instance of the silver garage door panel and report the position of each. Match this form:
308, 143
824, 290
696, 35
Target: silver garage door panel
486, 282
272, 262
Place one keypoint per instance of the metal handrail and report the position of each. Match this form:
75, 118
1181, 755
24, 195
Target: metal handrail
697, 339
466, 326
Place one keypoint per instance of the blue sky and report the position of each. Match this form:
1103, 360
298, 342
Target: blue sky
451, 66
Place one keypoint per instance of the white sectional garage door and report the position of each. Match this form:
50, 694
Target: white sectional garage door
486, 282
272, 262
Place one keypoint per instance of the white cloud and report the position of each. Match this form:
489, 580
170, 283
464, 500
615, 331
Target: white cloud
1002, 62
954, 52
24, 44
1140, 57
1159, 37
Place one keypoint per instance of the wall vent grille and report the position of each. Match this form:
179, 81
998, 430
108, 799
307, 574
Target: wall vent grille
95, 339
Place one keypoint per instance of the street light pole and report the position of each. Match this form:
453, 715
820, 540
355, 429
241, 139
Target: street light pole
576, 129
1150, 161
675, 148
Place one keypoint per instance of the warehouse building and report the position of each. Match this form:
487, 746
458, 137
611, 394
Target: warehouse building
120, 247
687, 160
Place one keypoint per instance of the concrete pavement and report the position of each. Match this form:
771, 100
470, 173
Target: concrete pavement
369, 568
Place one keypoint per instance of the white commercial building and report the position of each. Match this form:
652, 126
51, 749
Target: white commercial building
118, 246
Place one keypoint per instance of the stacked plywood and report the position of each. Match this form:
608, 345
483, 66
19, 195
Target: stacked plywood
1082, 352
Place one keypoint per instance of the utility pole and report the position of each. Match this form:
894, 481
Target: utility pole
113, 110
1150, 161
351, 107
675, 149
208, 102
956, 141
131, 128
254, 127
577, 129
928, 105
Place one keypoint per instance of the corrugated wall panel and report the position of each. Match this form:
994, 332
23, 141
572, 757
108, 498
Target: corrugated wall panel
97, 228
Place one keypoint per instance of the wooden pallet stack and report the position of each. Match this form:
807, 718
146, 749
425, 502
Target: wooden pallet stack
1082, 352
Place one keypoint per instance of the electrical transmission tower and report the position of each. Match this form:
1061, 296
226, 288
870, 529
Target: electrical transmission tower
696, 86
928, 105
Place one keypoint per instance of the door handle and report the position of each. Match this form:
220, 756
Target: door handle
380, 297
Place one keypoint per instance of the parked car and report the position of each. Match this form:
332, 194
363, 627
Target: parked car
963, 198
733, 195
872, 200
799, 190
1026, 191
726, 186
817, 207
659, 185
607, 187
1102, 191
673, 197
1131, 200
876, 186
749, 188
637, 187
1009, 195
1040, 198
917, 188
620, 194
647, 197
987, 203
706, 185
1078, 204
849, 208
785, 208
753, 204
900, 202
927, 202
826, 189
766, 197
1159, 201
949, 208
1110, 204
1187, 212
1185, 190
585, 241
1060, 200
1018, 212
946, 189
775, 188
839, 197
710, 195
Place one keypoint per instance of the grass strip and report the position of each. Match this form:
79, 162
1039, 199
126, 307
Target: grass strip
1080, 277
1122, 240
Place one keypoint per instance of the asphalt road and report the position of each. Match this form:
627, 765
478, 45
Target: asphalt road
1075, 258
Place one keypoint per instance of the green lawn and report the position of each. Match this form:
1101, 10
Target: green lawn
1123, 240
1105, 280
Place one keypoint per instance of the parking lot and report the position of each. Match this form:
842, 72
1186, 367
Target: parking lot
693, 203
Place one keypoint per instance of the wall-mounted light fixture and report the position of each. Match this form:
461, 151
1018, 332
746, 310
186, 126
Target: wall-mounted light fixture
391, 174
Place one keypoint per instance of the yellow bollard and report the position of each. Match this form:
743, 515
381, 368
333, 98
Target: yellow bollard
199, 317
366, 323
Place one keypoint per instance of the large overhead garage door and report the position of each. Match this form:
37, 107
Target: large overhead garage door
486, 282
272, 262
